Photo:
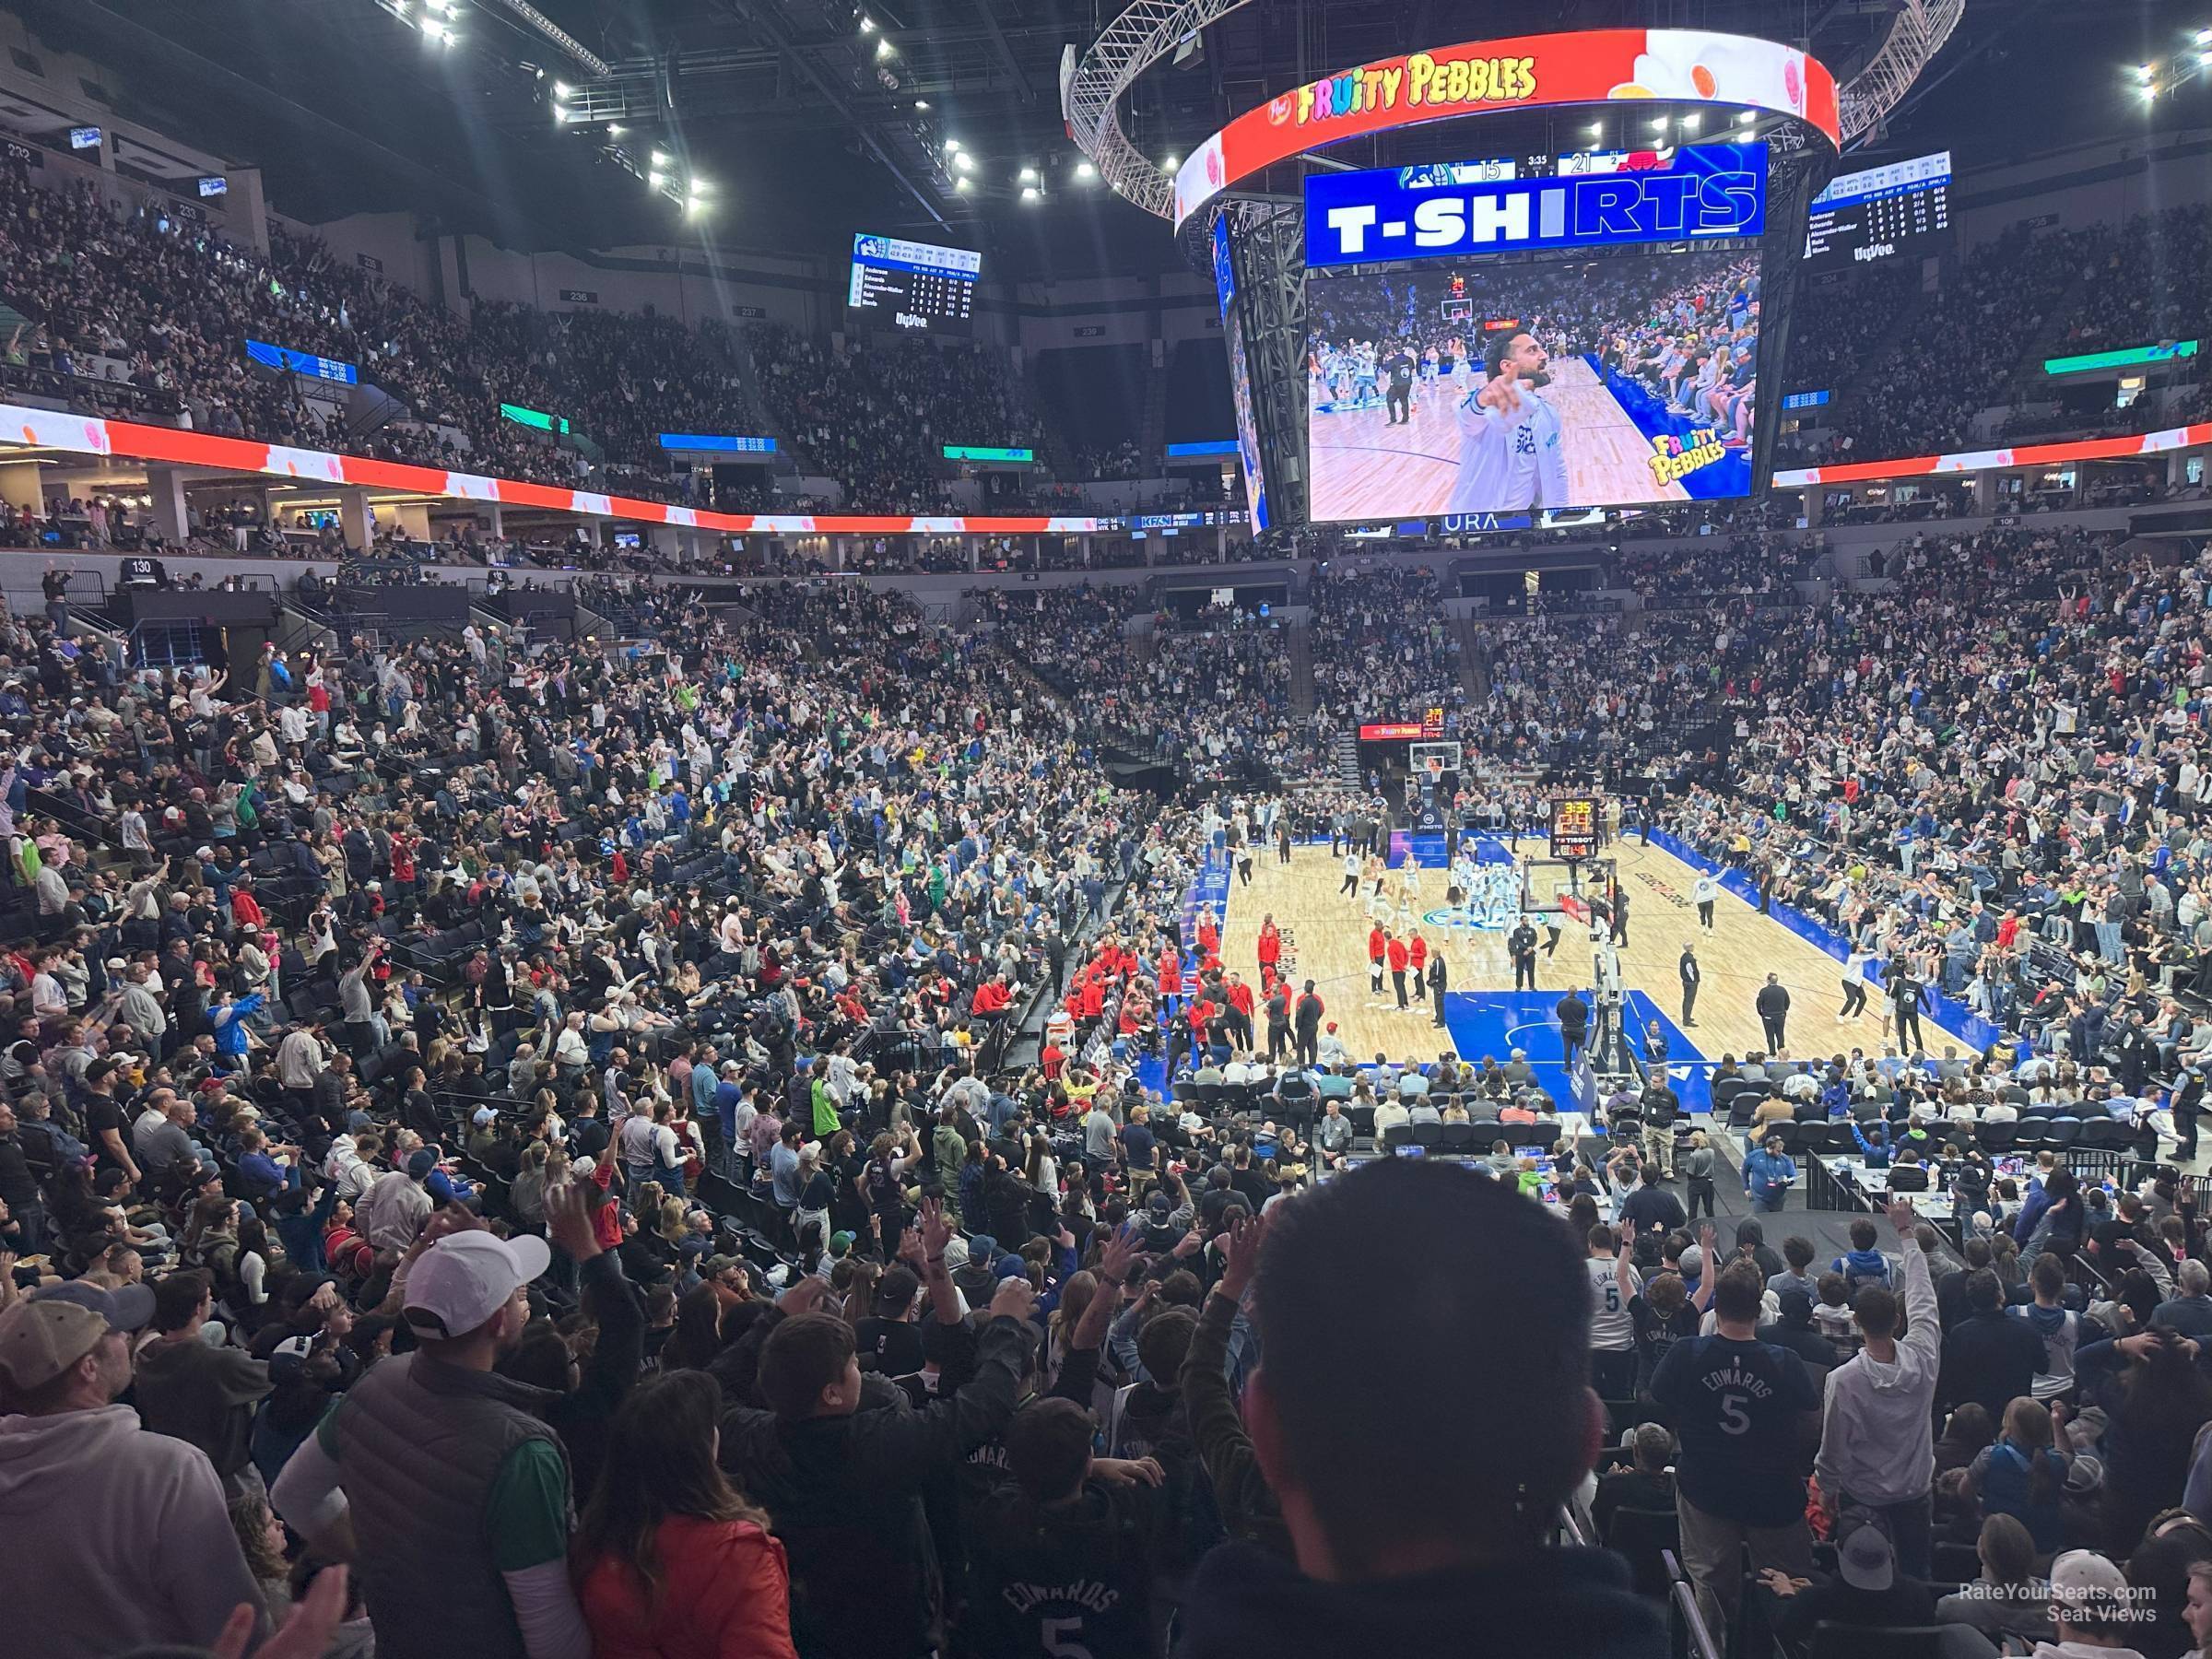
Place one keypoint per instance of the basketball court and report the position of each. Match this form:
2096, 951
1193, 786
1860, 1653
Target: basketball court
1359, 459
1326, 940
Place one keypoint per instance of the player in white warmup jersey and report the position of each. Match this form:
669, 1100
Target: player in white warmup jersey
1510, 453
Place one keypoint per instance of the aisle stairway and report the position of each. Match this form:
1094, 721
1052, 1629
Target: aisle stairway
1474, 659
1344, 758
1297, 649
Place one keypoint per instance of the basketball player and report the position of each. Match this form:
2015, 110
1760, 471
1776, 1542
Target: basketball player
1510, 455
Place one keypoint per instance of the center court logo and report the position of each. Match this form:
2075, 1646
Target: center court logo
1483, 920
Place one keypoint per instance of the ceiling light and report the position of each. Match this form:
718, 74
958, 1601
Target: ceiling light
953, 144
654, 177
2203, 37
960, 184
884, 49
659, 160
1597, 130
693, 206
562, 112
560, 88
1029, 193
1689, 123
921, 104
1745, 117
2145, 71
1659, 125
1029, 176
963, 162
1171, 164
1084, 169
867, 23
615, 129
703, 187
2149, 92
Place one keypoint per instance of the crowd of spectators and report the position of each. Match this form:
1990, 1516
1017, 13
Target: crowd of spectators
1382, 644
878, 412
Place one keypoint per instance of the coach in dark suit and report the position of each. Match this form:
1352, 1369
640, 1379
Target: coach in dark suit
1692, 977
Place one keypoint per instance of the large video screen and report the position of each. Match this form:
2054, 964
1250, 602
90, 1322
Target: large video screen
1239, 384
1625, 379
913, 285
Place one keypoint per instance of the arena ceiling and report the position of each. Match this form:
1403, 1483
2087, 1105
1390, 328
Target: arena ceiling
798, 122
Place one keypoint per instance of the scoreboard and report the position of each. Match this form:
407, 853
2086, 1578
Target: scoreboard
1865, 216
1574, 826
913, 285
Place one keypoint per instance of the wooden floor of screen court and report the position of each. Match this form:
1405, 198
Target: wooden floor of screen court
1363, 467
1329, 938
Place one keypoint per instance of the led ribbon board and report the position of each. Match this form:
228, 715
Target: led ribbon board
2131, 357
1627, 65
1412, 213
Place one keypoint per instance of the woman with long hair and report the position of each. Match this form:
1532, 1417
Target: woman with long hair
671, 1561
2023, 1474
698, 1335
2006, 1598
2155, 1401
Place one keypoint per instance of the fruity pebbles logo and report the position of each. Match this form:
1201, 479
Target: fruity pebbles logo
1421, 82
1675, 457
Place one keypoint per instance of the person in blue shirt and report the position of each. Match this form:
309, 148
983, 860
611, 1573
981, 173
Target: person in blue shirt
1768, 1175
228, 1020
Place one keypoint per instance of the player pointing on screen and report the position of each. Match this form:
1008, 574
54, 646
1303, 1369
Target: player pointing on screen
1509, 457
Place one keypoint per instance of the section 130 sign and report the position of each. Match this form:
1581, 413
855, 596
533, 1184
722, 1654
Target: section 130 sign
1385, 215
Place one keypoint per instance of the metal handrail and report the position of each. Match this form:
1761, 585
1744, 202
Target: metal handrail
1697, 1637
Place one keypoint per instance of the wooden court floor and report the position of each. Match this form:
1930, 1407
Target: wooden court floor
1359, 460
1329, 938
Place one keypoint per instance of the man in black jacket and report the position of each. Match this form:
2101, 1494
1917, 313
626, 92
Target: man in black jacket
1574, 1023
1406, 1542
1773, 1005
1987, 1358
841, 1464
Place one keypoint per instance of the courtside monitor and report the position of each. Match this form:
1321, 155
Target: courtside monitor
914, 286
1615, 366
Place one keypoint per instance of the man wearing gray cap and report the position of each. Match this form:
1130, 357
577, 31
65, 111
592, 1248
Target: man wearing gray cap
75, 1467
437, 1476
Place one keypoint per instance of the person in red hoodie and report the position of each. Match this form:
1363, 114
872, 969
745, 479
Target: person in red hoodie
671, 1561
1417, 957
991, 998
1270, 948
1399, 958
1378, 946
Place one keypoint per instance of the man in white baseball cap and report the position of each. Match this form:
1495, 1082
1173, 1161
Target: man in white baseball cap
440, 1477
2090, 1613
75, 1466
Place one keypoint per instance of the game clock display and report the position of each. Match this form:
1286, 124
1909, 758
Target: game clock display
1574, 826
916, 286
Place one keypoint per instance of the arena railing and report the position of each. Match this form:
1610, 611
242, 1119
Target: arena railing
1692, 1637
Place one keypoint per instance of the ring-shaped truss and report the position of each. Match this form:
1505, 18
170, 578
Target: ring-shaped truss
1152, 29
